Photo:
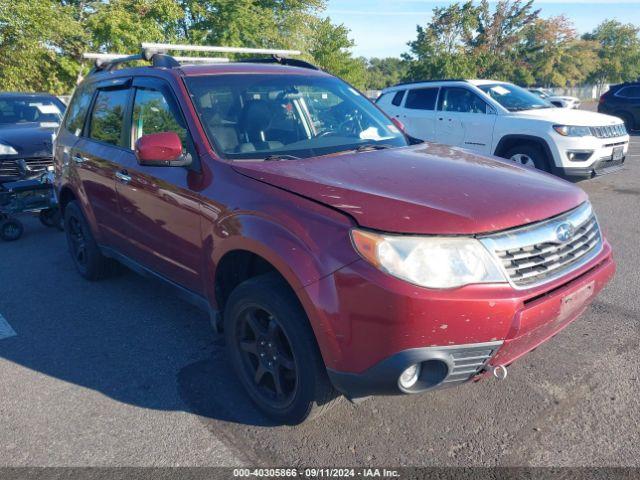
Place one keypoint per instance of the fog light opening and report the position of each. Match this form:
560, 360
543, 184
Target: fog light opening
410, 376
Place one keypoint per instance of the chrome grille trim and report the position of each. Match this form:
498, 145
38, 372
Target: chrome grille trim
609, 131
35, 165
533, 255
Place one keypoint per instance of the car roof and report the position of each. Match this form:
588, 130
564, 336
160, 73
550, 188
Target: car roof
207, 69
437, 83
247, 67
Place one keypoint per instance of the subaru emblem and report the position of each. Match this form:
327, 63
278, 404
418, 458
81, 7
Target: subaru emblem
565, 231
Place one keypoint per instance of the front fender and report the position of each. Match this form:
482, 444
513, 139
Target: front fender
302, 255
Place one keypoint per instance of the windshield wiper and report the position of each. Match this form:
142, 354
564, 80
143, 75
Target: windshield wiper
371, 146
280, 157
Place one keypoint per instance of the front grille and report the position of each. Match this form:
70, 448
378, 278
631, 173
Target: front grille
538, 253
609, 131
17, 167
469, 361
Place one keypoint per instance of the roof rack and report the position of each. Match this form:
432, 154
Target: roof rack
404, 84
157, 54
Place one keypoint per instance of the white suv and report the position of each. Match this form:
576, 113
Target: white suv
502, 119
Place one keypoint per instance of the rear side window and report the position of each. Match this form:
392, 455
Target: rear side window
629, 92
397, 98
107, 118
422, 99
77, 110
153, 114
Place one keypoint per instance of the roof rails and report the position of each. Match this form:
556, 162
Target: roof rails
404, 84
157, 54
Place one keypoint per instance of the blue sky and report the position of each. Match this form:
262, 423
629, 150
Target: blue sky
382, 28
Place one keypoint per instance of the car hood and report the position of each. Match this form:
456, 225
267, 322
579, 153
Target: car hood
425, 189
563, 116
29, 139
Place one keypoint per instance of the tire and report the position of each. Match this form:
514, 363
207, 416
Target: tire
11, 229
86, 255
268, 336
530, 156
51, 217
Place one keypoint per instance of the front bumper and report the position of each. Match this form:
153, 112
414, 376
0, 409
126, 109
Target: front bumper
392, 325
601, 159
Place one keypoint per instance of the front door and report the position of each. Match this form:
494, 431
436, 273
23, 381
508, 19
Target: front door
464, 120
160, 212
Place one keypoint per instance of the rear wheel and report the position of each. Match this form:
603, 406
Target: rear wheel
86, 255
274, 353
11, 229
530, 156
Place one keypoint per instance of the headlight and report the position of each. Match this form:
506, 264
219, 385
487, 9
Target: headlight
432, 262
572, 131
7, 150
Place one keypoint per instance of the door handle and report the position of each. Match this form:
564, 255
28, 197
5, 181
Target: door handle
78, 158
123, 176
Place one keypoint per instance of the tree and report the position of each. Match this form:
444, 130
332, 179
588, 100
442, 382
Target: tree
442, 49
618, 52
385, 72
554, 54
329, 45
33, 38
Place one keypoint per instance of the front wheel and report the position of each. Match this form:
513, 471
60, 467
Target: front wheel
274, 352
529, 156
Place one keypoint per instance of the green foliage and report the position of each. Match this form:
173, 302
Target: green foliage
38, 40
329, 46
618, 50
509, 41
42, 41
383, 72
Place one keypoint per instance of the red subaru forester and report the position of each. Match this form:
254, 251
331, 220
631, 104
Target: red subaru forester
334, 255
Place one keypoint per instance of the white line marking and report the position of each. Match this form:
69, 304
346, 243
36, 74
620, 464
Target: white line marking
5, 329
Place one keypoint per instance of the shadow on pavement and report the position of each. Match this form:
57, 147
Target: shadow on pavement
128, 338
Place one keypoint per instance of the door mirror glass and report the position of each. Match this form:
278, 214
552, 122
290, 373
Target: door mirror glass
162, 149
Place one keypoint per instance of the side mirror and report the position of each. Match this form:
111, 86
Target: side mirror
161, 150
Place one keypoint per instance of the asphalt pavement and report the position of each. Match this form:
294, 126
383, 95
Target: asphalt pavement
123, 373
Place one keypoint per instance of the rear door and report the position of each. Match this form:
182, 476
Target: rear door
418, 113
465, 120
95, 156
160, 212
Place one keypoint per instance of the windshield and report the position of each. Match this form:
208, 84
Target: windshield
29, 109
539, 93
260, 116
514, 98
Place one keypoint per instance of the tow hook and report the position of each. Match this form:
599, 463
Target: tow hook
500, 372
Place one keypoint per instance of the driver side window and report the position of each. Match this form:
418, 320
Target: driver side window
461, 100
152, 113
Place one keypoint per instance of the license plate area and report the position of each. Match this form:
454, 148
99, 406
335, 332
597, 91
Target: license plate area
575, 301
618, 154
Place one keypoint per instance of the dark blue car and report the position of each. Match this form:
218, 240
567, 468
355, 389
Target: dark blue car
28, 122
